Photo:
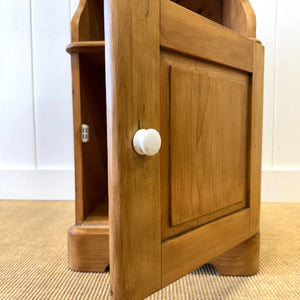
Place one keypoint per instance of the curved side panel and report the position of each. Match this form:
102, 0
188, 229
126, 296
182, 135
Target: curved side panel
239, 16
88, 21
76, 20
251, 19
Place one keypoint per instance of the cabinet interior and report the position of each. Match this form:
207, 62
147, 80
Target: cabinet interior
94, 152
88, 44
211, 9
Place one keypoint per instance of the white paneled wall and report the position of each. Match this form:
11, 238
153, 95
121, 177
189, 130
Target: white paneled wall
278, 26
266, 32
36, 137
17, 134
287, 98
52, 83
36, 150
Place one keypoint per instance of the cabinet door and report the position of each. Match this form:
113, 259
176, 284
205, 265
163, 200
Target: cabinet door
200, 85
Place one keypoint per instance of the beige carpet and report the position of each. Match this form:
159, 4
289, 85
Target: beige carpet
33, 259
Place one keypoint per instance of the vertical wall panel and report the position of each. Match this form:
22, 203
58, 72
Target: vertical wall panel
266, 32
16, 113
52, 82
287, 130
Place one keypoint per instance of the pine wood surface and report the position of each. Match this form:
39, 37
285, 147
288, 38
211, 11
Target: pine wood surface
156, 206
208, 142
86, 47
192, 34
133, 87
237, 15
169, 59
89, 106
83, 255
189, 251
255, 143
243, 259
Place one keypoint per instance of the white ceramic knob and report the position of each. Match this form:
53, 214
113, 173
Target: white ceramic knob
146, 142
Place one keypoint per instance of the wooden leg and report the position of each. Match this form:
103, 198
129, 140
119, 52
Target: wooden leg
240, 260
88, 248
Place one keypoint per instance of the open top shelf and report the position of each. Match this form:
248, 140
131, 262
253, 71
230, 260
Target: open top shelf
237, 15
86, 47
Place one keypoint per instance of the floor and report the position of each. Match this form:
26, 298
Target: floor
34, 263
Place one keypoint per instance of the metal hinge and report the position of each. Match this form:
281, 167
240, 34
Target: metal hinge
85, 133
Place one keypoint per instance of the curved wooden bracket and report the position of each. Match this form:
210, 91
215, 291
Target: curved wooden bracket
239, 16
240, 260
88, 21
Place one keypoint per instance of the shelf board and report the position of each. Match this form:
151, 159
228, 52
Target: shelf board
99, 216
86, 47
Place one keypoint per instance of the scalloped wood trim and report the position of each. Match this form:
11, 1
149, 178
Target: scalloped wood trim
76, 20
88, 21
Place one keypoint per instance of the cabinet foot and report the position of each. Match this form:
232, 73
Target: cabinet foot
88, 248
240, 260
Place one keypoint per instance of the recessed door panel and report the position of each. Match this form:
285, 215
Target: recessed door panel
207, 138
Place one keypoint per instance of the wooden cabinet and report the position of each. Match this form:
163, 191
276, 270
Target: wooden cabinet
193, 71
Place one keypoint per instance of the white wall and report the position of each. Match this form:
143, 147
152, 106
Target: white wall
36, 151
278, 26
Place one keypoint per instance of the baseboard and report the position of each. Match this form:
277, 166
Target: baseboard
37, 185
280, 186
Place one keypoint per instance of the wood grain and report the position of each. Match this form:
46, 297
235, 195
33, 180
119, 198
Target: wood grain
98, 216
79, 213
255, 138
206, 8
89, 106
168, 60
133, 87
88, 248
203, 96
88, 21
243, 259
208, 142
189, 251
239, 16
86, 47
94, 153
184, 31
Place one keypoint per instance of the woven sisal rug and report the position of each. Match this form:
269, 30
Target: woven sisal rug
34, 264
